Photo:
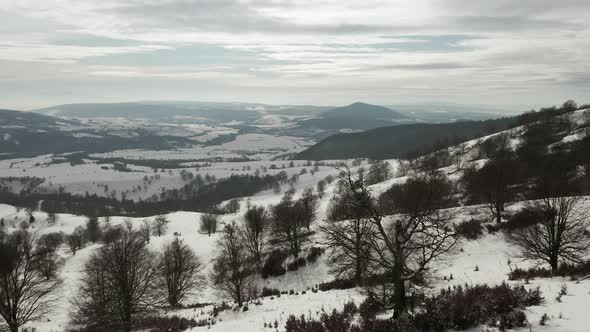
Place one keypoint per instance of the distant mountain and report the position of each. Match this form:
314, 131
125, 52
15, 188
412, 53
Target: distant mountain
29, 120
444, 112
362, 110
355, 117
134, 110
178, 110
27, 133
396, 141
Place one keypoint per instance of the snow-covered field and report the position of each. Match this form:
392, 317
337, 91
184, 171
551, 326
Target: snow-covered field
490, 254
142, 182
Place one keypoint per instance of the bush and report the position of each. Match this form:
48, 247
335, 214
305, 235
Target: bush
273, 266
335, 321
337, 284
471, 229
270, 292
295, 324
350, 309
522, 219
296, 264
151, 324
368, 309
564, 270
463, 308
314, 254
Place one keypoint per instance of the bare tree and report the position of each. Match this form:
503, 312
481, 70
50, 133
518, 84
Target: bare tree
46, 250
309, 204
378, 172
145, 230
559, 235
93, 231
403, 167
492, 183
405, 245
160, 225
233, 206
321, 188
117, 284
77, 240
232, 268
52, 217
26, 293
178, 272
209, 223
254, 232
348, 238
289, 224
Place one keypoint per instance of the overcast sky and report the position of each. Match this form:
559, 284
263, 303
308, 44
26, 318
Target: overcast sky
325, 52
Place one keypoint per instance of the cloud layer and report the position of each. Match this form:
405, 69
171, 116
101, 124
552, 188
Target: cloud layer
530, 52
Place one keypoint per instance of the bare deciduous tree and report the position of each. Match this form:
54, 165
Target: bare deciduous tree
178, 272
321, 188
348, 239
117, 283
254, 232
145, 230
25, 291
77, 240
309, 205
492, 182
559, 235
209, 223
160, 225
93, 231
233, 206
232, 269
289, 224
405, 245
378, 172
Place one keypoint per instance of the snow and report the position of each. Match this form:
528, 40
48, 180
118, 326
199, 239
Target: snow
493, 254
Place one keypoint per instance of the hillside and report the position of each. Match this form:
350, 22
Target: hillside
355, 117
362, 110
396, 141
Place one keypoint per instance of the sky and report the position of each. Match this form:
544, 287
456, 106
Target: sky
501, 53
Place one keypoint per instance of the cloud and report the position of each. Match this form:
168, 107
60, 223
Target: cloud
323, 50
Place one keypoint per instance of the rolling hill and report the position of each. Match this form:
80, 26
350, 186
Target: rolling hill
395, 141
355, 117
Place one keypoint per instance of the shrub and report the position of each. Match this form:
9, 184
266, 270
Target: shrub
296, 264
335, 321
295, 324
314, 254
152, 324
466, 307
368, 309
470, 229
544, 320
521, 219
273, 266
564, 270
270, 292
350, 309
337, 284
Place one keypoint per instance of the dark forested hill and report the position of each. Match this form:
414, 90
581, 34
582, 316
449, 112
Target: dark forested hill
396, 141
362, 110
357, 116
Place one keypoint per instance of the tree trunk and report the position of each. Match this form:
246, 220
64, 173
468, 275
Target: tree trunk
13, 328
399, 295
553, 262
499, 208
